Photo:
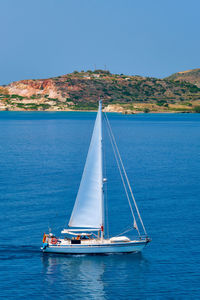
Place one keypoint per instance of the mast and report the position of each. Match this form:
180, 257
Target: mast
102, 192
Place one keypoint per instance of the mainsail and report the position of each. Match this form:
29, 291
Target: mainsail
88, 208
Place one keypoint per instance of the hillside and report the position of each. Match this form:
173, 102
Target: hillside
192, 76
82, 90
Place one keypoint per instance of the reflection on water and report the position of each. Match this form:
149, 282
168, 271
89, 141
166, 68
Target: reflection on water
90, 276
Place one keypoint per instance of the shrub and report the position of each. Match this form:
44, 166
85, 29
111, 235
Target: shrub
194, 89
197, 109
104, 72
17, 96
161, 102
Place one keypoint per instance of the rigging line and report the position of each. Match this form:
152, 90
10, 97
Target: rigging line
126, 177
122, 178
127, 230
105, 191
106, 202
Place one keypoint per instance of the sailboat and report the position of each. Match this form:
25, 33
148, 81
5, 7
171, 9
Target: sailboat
85, 233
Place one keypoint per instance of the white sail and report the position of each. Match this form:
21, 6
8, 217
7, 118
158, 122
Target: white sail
88, 208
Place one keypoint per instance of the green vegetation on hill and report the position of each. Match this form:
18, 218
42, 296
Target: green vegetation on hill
124, 89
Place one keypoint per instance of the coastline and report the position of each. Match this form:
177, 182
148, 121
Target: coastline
92, 111
116, 107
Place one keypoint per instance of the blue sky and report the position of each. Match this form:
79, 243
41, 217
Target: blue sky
44, 38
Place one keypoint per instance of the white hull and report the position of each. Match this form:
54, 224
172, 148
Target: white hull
97, 249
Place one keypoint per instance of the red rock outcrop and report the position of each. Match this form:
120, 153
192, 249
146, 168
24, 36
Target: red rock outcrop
28, 88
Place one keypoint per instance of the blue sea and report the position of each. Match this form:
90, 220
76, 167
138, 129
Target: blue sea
42, 155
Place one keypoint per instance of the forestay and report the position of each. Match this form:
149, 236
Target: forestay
87, 211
